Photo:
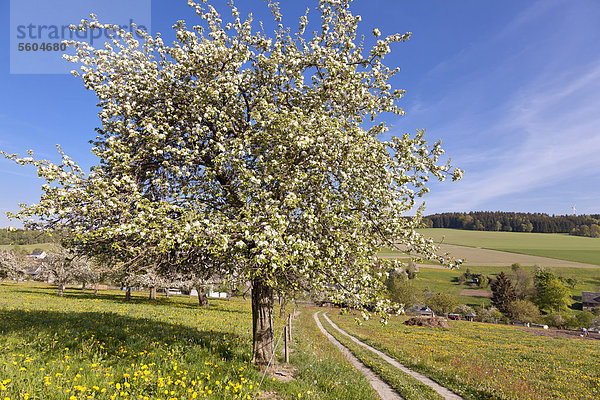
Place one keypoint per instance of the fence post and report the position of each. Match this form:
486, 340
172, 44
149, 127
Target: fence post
285, 341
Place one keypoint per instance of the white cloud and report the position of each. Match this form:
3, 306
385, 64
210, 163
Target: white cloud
558, 123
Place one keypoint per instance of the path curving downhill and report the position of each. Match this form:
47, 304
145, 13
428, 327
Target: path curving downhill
385, 391
441, 390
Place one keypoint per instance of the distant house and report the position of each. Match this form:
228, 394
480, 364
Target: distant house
38, 255
590, 300
221, 295
34, 271
470, 316
419, 310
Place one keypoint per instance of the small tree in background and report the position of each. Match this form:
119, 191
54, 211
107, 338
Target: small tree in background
442, 303
585, 319
491, 314
551, 293
524, 311
502, 293
411, 270
595, 324
522, 282
401, 290
464, 309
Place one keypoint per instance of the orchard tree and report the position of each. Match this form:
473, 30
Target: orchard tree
12, 265
62, 266
266, 149
149, 279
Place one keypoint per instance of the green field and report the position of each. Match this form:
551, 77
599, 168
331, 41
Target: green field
85, 347
488, 361
559, 246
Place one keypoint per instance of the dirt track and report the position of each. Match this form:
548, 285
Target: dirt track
557, 333
494, 258
445, 393
385, 391
476, 293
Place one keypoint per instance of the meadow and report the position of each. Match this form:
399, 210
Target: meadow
558, 246
487, 361
82, 347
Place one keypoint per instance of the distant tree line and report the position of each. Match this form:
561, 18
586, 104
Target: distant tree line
580, 225
22, 236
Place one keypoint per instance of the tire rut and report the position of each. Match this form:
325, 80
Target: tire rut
385, 391
441, 390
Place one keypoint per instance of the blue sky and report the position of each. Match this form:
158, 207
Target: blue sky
512, 88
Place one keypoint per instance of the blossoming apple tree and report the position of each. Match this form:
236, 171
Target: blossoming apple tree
264, 150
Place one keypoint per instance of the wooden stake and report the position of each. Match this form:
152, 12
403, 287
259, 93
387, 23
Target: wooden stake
287, 352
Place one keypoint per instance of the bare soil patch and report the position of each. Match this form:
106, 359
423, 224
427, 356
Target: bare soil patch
283, 372
559, 333
476, 256
476, 293
428, 321
268, 396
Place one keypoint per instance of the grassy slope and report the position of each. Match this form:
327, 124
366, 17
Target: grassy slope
486, 361
444, 280
560, 246
86, 347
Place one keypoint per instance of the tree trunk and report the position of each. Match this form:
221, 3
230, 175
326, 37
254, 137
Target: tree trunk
167, 292
61, 289
128, 294
96, 289
262, 322
83, 285
152, 293
202, 299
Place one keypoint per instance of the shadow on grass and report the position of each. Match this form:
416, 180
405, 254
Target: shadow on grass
82, 331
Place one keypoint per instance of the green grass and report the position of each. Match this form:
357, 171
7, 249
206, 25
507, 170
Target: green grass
559, 246
487, 361
80, 347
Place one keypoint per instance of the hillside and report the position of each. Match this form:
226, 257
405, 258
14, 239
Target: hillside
557, 246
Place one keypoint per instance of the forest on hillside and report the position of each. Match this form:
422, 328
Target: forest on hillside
22, 236
579, 225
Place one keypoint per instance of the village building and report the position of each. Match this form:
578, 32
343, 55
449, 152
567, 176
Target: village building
590, 300
38, 255
420, 310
